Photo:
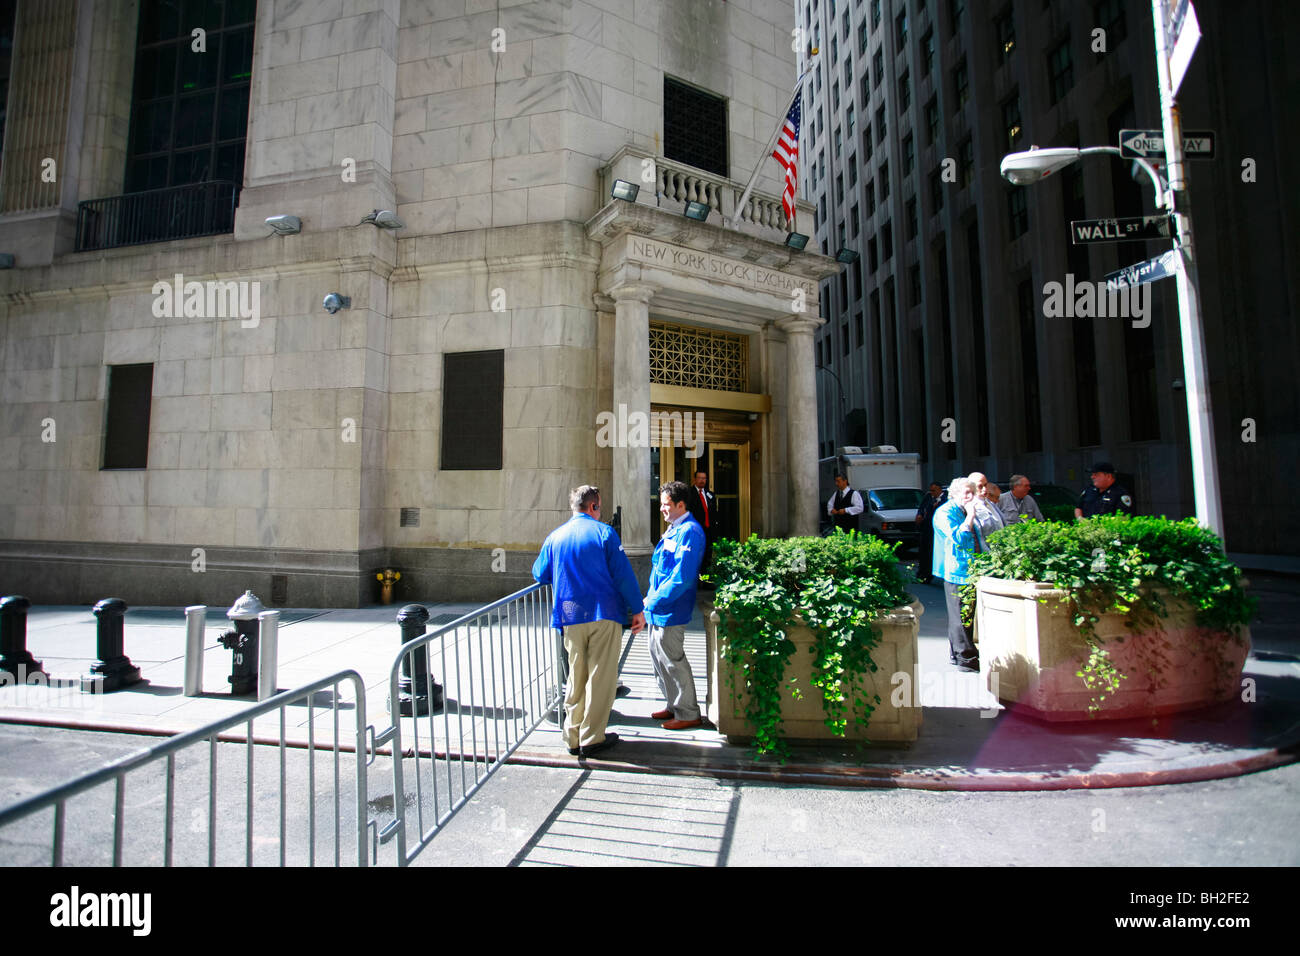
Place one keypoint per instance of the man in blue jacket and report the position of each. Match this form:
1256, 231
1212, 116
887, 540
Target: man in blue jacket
670, 604
595, 592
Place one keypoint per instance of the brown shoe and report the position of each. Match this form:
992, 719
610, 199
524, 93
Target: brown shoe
665, 714
681, 724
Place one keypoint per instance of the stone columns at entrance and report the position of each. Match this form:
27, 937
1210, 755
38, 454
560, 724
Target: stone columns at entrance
632, 394
801, 417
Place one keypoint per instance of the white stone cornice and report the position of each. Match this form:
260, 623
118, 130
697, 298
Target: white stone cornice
618, 219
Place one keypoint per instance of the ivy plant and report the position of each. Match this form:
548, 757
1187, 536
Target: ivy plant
1119, 564
838, 585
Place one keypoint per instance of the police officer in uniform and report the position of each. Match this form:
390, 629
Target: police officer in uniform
1105, 497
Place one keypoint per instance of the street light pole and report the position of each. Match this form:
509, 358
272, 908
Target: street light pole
1205, 463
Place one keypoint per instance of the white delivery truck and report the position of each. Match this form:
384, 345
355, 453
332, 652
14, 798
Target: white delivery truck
890, 484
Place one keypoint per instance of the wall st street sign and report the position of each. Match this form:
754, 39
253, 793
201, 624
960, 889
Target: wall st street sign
1150, 144
1121, 230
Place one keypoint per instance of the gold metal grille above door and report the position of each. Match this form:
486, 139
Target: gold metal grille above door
698, 358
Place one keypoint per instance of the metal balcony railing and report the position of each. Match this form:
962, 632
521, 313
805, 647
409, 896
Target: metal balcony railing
157, 215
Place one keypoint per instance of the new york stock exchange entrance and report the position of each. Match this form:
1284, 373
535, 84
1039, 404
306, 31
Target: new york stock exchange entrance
724, 453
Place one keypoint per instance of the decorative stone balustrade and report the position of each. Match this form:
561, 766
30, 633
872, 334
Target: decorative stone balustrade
676, 184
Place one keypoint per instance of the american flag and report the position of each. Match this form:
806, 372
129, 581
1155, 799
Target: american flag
787, 154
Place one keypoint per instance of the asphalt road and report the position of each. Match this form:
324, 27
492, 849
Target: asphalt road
537, 816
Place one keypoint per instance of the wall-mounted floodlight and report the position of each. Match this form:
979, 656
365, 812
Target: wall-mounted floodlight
796, 241
846, 255
284, 225
624, 190
334, 302
699, 211
6, 260
384, 219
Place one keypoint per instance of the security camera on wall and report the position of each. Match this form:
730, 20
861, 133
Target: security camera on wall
334, 302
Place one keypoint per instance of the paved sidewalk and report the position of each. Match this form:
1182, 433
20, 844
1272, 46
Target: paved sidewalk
967, 741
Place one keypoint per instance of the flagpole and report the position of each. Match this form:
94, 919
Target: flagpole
767, 150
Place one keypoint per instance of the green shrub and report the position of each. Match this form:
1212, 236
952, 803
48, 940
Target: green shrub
1114, 563
838, 585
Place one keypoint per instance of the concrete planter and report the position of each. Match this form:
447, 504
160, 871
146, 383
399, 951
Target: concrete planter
804, 718
1031, 652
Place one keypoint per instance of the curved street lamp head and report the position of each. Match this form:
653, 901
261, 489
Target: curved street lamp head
1033, 164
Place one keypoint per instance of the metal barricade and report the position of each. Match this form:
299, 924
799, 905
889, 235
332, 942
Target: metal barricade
215, 734
500, 669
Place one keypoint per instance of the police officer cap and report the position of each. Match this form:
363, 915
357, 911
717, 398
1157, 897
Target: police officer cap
1103, 467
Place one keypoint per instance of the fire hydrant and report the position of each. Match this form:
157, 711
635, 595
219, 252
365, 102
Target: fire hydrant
386, 579
243, 640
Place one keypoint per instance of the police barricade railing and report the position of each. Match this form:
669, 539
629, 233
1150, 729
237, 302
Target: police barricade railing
187, 790
462, 698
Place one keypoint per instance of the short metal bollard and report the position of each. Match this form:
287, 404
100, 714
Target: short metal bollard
15, 659
416, 696
196, 620
243, 641
113, 670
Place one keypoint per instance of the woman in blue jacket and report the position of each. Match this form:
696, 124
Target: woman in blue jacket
955, 543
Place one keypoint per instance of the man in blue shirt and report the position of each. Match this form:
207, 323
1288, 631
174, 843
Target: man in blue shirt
595, 592
670, 604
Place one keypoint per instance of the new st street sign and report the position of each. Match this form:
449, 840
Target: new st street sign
1161, 267
1150, 144
1121, 230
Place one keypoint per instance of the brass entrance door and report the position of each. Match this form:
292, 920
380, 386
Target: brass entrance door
729, 481
727, 467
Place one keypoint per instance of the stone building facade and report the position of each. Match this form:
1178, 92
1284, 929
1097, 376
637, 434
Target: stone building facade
437, 421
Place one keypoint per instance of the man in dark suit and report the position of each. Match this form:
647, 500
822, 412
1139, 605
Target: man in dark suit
925, 520
702, 506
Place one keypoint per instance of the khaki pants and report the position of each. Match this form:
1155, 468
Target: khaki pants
593, 680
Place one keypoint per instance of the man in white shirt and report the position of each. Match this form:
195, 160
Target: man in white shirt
1019, 505
988, 518
845, 505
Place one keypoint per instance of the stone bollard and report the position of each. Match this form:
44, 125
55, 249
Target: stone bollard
113, 670
15, 659
415, 695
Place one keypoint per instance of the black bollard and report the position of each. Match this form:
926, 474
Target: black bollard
14, 656
114, 669
415, 695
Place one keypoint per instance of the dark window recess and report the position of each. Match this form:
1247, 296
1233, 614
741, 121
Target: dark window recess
695, 127
279, 590
1060, 70
473, 394
979, 359
1032, 401
126, 439
189, 111
8, 10
945, 310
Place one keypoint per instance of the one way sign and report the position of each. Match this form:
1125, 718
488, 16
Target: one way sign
1150, 144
